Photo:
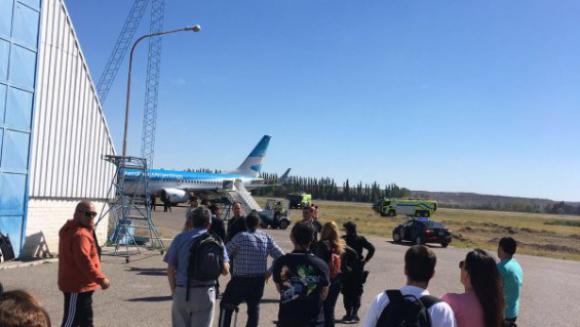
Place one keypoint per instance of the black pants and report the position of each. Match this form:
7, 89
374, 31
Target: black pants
510, 322
352, 290
78, 309
330, 303
238, 290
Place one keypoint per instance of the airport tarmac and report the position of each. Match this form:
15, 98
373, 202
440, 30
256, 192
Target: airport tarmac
139, 295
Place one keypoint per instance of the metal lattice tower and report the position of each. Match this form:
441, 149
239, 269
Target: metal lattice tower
130, 209
121, 46
133, 225
152, 82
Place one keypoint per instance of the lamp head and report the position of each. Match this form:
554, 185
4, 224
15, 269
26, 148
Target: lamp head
194, 28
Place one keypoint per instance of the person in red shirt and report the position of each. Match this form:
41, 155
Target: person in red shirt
79, 267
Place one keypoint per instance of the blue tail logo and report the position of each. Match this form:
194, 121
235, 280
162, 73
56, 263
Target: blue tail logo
253, 163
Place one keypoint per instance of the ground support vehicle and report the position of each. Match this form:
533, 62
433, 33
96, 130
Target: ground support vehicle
393, 207
421, 231
274, 215
299, 200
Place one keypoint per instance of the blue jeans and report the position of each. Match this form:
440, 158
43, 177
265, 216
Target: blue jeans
242, 289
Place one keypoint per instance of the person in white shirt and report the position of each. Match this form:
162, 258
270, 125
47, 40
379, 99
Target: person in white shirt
419, 268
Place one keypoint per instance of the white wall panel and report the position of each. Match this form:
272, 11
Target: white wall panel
70, 135
46, 217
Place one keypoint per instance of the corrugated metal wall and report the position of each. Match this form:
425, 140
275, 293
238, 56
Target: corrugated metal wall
70, 134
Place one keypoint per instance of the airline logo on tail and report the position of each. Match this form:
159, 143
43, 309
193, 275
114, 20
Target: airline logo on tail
253, 164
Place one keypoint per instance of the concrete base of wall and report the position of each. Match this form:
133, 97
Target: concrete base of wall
45, 218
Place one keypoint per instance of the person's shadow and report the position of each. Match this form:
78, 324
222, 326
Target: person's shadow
151, 299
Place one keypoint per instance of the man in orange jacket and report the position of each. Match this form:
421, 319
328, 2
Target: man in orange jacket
79, 268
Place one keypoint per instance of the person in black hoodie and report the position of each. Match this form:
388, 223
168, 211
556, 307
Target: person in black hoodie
353, 274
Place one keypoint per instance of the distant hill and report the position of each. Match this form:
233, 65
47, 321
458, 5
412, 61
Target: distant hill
496, 202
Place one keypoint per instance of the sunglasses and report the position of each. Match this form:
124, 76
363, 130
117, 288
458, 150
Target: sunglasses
90, 214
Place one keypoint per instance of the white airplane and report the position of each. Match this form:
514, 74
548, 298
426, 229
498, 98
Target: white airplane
176, 186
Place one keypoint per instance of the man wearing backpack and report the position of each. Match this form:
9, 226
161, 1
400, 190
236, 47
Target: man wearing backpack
249, 252
412, 305
195, 260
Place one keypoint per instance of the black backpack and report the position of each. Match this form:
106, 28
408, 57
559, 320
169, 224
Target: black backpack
406, 310
206, 259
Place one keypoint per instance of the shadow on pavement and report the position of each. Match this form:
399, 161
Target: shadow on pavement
149, 271
151, 299
409, 244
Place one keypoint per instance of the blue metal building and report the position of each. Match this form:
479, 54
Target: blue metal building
53, 133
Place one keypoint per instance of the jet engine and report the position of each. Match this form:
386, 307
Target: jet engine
174, 195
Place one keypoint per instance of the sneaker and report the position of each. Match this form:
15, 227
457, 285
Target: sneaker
355, 318
346, 318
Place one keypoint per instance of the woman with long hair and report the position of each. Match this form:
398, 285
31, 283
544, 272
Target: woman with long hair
330, 248
482, 303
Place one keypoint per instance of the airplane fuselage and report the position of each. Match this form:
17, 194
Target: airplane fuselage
177, 186
160, 179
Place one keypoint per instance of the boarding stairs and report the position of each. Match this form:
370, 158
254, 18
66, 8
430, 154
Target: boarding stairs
240, 194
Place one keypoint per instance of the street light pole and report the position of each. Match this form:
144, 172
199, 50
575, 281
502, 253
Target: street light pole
194, 28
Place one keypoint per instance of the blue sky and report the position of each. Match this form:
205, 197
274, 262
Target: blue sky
479, 96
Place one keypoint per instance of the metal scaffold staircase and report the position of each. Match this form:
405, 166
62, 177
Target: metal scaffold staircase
130, 209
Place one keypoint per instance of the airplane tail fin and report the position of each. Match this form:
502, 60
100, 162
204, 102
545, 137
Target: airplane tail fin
284, 178
253, 163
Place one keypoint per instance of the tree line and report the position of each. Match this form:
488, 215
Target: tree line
559, 208
326, 188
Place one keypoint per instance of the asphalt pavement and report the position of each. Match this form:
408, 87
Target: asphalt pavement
139, 295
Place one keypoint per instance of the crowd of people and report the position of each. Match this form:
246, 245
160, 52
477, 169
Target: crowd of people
308, 279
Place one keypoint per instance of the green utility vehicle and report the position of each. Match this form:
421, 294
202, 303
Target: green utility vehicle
415, 208
299, 200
